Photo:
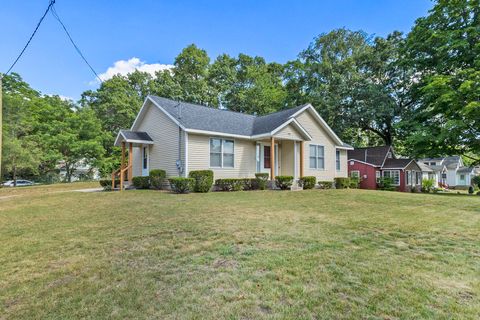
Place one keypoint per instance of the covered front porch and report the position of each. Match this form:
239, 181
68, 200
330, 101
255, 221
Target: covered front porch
285, 158
130, 139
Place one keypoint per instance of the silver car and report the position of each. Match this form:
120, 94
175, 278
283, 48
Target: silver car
20, 183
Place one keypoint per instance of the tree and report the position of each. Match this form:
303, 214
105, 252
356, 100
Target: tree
444, 49
21, 156
248, 84
75, 138
191, 72
354, 82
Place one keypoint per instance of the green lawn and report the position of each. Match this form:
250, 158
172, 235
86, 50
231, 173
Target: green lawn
335, 254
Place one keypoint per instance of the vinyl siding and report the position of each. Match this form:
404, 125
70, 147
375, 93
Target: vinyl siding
289, 132
165, 134
287, 158
199, 157
343, 173
137, 161
320, 137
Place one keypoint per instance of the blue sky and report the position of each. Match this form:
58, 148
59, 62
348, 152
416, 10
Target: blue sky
156, 31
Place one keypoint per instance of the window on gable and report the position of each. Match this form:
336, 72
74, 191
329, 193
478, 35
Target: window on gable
317, 157
222, 153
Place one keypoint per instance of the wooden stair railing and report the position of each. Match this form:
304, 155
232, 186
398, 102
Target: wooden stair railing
120, 172
114, 175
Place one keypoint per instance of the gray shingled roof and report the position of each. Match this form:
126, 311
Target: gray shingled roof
396, 163
452, 162
371, 155
269, 122
136, 135
465, 170
194, 116
424, 167
437, 167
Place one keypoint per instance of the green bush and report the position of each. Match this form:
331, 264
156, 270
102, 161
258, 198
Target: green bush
141, 182
325, 184
307, 182
250, 184
342, 183
181, 185
354, 183
427, 185
262, 180
385, 183
284, 182
157, 176
230, 184
471, 190
107, 183
476, 181
203, 180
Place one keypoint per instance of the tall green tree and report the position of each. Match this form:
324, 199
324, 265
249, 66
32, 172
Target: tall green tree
356, 83
248, 84
444, 49
19, 152
191, 74
72, 136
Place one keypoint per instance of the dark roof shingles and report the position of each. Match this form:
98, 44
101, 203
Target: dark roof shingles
372, 155
136, 135
396, 163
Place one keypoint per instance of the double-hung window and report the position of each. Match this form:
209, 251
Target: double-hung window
418, 178
222, 153
408, 175
337, 160
317, 157
394, 175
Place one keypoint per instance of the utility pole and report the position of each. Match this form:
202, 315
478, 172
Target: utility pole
1, 125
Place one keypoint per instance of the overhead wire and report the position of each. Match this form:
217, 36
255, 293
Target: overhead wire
50, 5
57, 17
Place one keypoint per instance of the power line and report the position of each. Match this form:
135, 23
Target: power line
52, 2
55, 14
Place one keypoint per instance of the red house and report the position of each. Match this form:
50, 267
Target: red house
372, 163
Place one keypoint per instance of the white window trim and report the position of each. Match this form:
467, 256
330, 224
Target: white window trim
399, 178
221, 153
317, 157
357, 171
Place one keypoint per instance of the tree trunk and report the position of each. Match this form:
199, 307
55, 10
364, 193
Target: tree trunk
67, 173
14, 175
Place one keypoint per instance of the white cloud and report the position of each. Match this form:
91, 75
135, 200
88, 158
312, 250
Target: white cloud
64, 98
125, 67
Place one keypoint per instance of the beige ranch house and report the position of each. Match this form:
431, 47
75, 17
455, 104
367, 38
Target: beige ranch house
179, 137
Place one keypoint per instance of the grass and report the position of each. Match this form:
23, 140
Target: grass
333, 254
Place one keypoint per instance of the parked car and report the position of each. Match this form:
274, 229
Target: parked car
20, 183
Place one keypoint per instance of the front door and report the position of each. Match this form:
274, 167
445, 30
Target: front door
263, 158
145, 161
